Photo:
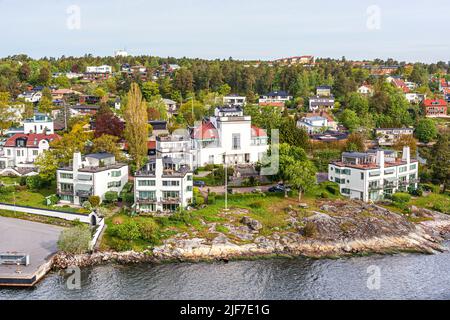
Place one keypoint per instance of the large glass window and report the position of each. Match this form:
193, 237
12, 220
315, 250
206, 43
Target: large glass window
146, 183
147, 195
236, 141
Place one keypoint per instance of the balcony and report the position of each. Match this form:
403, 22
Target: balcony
146, 201
64, 192
170, 200
83, 193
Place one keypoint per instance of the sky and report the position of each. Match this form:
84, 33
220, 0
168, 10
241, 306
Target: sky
414, 30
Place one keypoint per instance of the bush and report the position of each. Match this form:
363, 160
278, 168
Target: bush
94, 201
441, 206
128, 230
53, 199
34, 182
211, 199
184, 217
119, 244
401, 198
7, 189
310, 229
75, 240
199, 200
87, 205
332, 188
415, 192
128, 197
149, 230
23, 181
111, 196
324, 195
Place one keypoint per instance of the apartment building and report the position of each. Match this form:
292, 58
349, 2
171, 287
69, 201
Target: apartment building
93, 175
374, 175
163, 186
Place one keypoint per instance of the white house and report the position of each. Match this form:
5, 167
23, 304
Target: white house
21, 150
374, 175
171, 106
228, 137
177, 147
39, 123
313, 124
234, 100
322, 103
99, 69
415, 98
275, 98
365, 89
388, 136
97, 174
162, 186
31, 96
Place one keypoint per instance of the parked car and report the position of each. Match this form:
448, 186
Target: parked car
279, 188
199, 183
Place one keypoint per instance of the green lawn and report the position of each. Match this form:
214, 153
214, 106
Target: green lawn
434, 201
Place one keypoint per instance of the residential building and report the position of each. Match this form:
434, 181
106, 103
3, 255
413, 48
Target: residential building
99, 69
374, 175
177, 147
31, 96
162, 185
398, 83
82, 109
234, 100
97, 72
275, 98
21, 150
315, 124
435, 107
320, 103
388, 136
305, 60
94, 175
366, 90
415, 98
171, 107
39, 123
228, 137
323, 91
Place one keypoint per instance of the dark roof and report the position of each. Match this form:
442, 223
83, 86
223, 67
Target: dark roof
100, 155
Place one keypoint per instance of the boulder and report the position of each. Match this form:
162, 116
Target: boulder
252, 223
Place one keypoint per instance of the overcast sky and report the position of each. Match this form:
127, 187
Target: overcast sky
414, 30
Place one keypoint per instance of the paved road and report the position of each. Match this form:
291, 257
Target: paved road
36, 239
48, 213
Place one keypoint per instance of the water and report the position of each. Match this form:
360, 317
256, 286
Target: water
402, 276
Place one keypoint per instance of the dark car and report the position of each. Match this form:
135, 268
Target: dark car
279, 188
199, 183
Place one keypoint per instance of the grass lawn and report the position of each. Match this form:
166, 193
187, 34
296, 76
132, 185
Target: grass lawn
434, 201
37, 218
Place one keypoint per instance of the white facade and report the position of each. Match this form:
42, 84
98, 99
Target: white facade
415, 98
234, 100
40, 123
162, 186
99, 69
365, 90
317, 102
313, 124
228, 137
374, 175
176, 147
388, 136
275, 97
32, 96
95, 176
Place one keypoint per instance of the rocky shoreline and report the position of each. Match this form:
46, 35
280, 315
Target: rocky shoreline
380, 232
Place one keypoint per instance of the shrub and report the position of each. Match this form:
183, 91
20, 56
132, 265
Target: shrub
128, 198
441, 206
128, 230
184, 217
333, 188
324, 195
416, 192
7, 189
23, 181
211, 199
199, 200
75, 240
87, 205
310, 229
111, 196
53, 199
34, 182
401, 198
94, 201
119, 244
149, 230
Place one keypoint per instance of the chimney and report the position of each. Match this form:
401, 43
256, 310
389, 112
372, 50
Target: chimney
76, 161
380, 158
406, 156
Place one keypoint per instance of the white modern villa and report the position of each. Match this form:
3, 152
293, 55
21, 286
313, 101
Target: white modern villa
373, 175
162, 185
94, 175
228, 137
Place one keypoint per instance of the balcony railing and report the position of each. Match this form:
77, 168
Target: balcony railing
64, 192
83, 193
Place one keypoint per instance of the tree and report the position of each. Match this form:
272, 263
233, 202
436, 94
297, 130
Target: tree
24, 72
45, 105
426, 130
183, 81
288, 157
106, 122
108, 143
47, 163
302, 176
71, 142
408, 141
440, 160
350, 120
44, 76
6, 113
150, 89
289, 133
94, 201
355, 143
157, 109
62, 82
136, 128
75, 240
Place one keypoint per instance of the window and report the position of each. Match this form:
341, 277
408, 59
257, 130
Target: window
146, 183
8, 152
347, 171
345, 191
171, 194
35, 152
402, 169
170, 183
18, 153
338, 171
413, 167
374, 173
387, 172
147, 195
189, 178
114, 184
189, 188
65, 197
236, 141
116, 174
362, 175
66, 175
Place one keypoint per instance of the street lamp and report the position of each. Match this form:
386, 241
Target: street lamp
226, 180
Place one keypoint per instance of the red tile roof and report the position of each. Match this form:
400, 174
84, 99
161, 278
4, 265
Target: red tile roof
33, 139
258, 132
434, 103
399, 83
206, 131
